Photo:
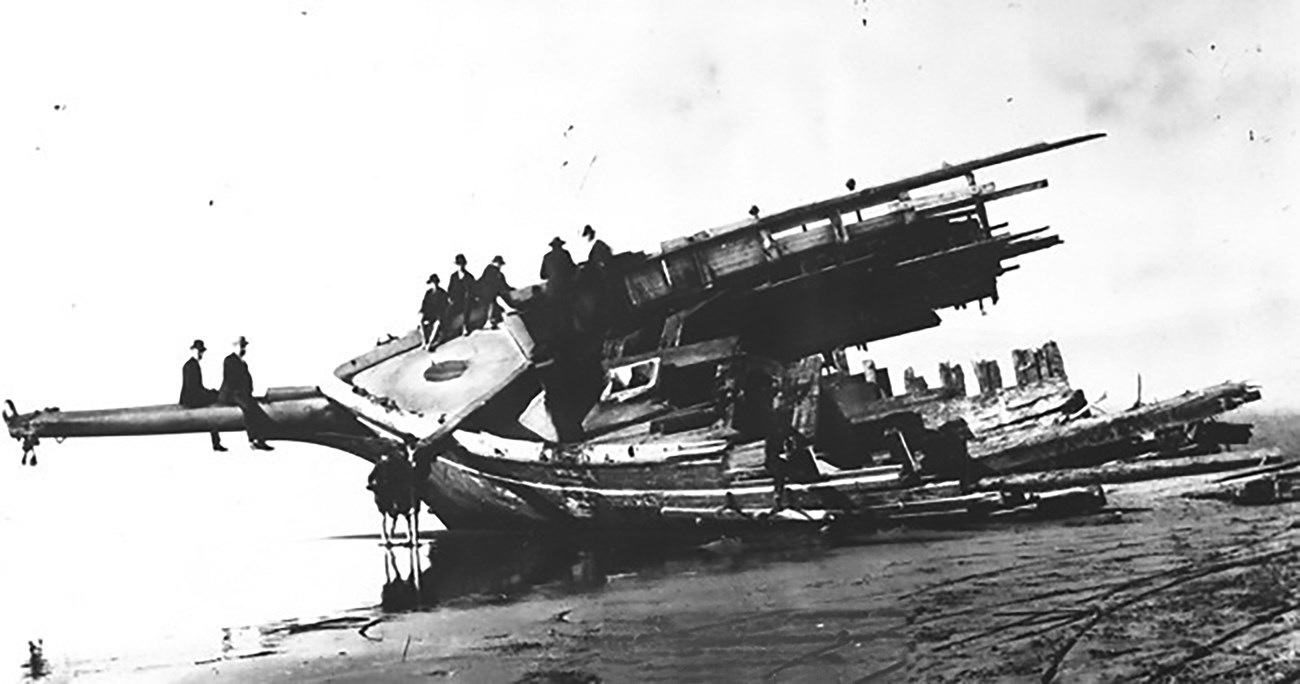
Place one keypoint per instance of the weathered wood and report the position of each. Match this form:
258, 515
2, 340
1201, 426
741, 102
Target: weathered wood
805, 397
297, 413
1049, 442
988, 376
1273, 484
887, 192
347, 370
1129, 471
984, 414
686, 355
952, 378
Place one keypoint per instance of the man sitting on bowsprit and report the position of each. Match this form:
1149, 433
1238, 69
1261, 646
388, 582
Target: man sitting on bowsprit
193, 393
237, 390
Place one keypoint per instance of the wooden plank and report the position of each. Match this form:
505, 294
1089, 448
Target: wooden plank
345, 371
886, 192
806, 240
734, 255
806, 396
646, 283
708, 351
1130, 471
1040, 446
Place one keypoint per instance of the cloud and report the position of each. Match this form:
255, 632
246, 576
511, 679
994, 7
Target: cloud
1168, 72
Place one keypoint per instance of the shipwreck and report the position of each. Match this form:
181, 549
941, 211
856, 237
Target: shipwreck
706, 387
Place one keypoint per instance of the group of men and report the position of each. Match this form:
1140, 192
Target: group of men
236, 390
443, 314
447, 313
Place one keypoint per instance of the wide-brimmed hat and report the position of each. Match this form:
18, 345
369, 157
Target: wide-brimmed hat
498, 260
198, 344
557, 242
588, 231
460, 260
433, 278
241, 341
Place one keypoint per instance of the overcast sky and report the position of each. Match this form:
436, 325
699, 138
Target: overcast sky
292, 171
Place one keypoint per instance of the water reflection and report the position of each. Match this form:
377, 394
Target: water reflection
467, 569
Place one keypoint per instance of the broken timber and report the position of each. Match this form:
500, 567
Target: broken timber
1131, 471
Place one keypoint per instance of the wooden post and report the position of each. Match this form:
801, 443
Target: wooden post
913, 383
988, 375
953, 378
883, 382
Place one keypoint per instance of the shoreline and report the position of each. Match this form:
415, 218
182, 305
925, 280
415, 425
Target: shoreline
1159, 583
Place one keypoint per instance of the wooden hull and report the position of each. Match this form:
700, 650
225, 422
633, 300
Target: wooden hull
473, 491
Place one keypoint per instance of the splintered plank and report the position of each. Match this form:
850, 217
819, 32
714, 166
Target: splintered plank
1039, 446
1132, 471
806, 395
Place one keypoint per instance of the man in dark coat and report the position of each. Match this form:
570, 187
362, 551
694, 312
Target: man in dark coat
193, 393
492, 287
461, 293
591, 302
237, 390
600, 254
558, 271
432, 309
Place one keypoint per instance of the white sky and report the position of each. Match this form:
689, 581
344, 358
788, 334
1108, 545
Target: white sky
348, 149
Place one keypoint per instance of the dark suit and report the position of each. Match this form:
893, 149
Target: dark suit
558, 271
600, 254
237, 390
491, 285
460, 290
236, 381
432, 309
194, 394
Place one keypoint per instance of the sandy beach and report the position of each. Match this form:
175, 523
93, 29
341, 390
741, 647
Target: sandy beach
1159, 588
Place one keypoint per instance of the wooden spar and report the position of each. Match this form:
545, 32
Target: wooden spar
290, 414
1130, 471
888, 191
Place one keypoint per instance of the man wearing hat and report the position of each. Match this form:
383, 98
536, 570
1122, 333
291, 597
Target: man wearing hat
237, 390
558, 271
193, 393
599, 254
461, 293
492, 287
432, 309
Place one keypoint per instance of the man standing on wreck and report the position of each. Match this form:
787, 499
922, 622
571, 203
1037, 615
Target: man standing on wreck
237, 390
558, 271
433, 308
460, 290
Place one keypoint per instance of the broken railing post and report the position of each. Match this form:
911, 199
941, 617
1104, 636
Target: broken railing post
953, 378
989, 376
913, 383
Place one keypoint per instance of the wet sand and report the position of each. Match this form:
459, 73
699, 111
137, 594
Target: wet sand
1161, 588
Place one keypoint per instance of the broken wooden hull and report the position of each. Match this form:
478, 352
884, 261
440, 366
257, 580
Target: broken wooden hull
473, 491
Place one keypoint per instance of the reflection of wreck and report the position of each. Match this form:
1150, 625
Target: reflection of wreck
706, 385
